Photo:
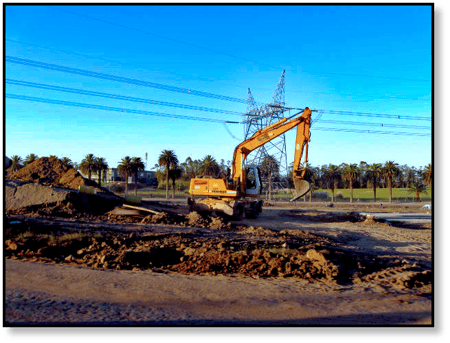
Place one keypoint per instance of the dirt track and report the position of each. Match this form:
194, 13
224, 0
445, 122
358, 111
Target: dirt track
61, 291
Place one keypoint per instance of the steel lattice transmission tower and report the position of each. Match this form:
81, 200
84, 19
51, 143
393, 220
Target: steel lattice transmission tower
259, 117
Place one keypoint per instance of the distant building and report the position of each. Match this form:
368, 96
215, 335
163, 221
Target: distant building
144, 176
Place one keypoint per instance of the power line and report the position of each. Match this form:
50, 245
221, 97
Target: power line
143, 83
371, 131
110, 77
115, 109
376, 124
116, 96
192, 76
379, 115
227, 54
167, 38
118, 109
184, 106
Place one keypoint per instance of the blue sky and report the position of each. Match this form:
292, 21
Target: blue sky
352, 59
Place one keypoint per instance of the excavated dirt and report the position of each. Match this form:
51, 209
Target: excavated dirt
47, 222
227, 249
51, 171
48, 187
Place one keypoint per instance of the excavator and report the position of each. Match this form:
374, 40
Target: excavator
237, 196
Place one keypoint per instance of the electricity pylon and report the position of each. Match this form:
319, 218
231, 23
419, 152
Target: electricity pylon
259, 117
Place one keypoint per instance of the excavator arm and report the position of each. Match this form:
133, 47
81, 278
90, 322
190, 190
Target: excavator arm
265, 135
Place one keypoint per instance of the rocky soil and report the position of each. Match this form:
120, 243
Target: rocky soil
311, 246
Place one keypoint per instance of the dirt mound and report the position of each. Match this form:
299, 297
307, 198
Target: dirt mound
51, 171
304, 256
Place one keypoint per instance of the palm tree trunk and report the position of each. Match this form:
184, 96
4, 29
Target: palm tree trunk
390, 189
135, 183
310, 195
351, 190
167, 182
173, 189
374, 191
126, 183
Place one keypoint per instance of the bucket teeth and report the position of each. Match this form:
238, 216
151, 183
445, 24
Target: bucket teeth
301, 188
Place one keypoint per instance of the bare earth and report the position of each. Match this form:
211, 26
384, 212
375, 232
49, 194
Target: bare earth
60, 293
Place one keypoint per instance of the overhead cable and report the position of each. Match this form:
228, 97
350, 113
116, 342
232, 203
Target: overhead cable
116, 96
343, 122
50, 66
379, 115
115, 109
371, 131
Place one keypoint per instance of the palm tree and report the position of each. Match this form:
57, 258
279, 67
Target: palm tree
209, 166
390, 171
350, 173
374, 171
167, 158
100, 166
427, 175
125, 169
67, 162
138, 165
175, 173
417, 187
87, 165
16, 163
332, 176
30, 158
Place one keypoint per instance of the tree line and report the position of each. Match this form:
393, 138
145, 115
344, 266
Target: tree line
169, 169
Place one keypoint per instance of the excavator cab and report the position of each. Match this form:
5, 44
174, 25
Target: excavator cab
253, 180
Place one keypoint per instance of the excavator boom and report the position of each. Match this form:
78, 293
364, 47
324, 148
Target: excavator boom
265, 135
238, 196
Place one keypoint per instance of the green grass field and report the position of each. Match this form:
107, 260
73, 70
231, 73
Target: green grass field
359, 194
366, 194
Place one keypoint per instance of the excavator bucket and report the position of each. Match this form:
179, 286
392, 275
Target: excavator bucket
301, 188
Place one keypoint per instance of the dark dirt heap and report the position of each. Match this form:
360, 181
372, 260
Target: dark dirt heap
47, 187
236, 252
51, 171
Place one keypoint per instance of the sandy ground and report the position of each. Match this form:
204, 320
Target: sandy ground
53, 294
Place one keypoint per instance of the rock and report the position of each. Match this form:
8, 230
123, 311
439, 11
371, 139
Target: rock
11, 245
69, 258
189, 251
314, 255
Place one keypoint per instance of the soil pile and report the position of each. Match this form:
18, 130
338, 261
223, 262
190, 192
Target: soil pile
51, 171
303, 256
46, 187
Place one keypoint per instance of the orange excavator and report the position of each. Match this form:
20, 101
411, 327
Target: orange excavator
238, 196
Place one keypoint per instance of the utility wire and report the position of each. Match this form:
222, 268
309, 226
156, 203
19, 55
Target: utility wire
371, 131
376, 124
115, 109
224, 53
116, 96
50, 66
379, 115
92, 56
167, 38
184, 106
118, 109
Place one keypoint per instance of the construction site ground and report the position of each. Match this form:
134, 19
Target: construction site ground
79, 257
